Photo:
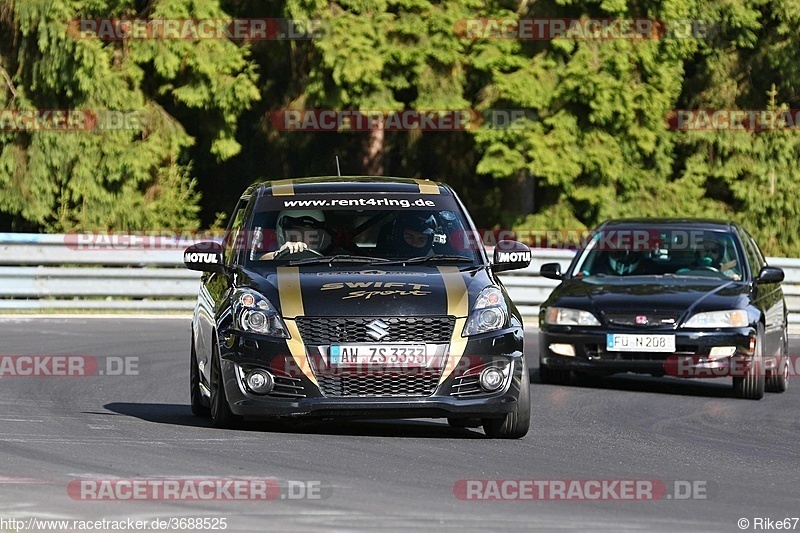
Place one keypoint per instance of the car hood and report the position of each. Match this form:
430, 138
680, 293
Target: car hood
434, 291
649, 293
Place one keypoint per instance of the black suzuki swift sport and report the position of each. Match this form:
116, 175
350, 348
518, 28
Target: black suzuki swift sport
360, 298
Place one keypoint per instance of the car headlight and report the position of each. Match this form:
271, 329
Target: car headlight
489, 313
735, 318
563, 316
254, 313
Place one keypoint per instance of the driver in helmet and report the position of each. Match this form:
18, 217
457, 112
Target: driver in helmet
299, 230
716, 255
624, 262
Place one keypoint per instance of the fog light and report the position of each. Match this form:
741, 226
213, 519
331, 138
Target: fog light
563, 349
260, 381
718, 352
491, 379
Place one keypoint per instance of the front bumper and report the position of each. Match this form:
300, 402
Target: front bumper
298, 391
691, 358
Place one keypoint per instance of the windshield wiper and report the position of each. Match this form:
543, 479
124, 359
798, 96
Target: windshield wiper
427, 258
342, 258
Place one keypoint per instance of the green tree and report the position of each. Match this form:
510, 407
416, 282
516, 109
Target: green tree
138, 177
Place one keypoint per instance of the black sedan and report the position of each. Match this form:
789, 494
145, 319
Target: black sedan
357, 297
677, 297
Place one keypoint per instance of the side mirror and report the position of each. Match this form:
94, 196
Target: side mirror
510, 255
551, 270
770, 274
204, 256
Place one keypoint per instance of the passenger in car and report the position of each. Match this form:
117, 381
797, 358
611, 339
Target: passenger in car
413, 234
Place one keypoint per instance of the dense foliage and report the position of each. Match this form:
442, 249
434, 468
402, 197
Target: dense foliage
594, 140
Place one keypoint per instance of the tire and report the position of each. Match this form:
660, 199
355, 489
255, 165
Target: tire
515, 424
550, 376
751, 386
221, 414
779, 381
199, 406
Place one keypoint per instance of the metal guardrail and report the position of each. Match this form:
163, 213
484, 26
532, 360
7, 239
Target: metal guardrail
66, 272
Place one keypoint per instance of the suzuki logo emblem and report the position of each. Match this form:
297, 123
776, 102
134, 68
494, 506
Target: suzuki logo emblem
642, 320
377, 329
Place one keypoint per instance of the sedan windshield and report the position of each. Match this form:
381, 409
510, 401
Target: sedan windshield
382, 230
648, 252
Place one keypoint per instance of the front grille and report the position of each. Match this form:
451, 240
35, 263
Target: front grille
328, 330
654, 320
382, 385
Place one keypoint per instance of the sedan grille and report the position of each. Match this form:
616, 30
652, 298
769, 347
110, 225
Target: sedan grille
380, 385
328, 330
643, 319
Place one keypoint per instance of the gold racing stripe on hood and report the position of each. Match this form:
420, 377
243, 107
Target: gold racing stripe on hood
427, 187
458, 306
291, 297
283, 188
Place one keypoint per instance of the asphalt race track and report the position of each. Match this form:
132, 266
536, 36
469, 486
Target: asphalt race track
740, 457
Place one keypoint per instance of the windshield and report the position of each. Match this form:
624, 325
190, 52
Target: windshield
648, 252
359, 229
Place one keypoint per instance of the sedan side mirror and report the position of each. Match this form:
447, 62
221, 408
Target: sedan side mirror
770, 274
551, 270
204, 256
510, 255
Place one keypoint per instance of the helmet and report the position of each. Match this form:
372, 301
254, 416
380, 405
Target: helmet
289, 220
623, 261
714, 249
421, 223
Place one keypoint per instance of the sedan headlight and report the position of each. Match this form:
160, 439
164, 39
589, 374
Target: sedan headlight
489, 313
563, 316
735, 318
254, 313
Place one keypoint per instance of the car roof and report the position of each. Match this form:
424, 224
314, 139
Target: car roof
353, 184
676, 223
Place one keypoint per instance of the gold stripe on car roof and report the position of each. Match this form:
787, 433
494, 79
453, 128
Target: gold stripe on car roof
283, 188
427, 187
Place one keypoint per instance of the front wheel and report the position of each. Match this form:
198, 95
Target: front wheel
221, 413
199, 407
515, 424
778, 380
751, 386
